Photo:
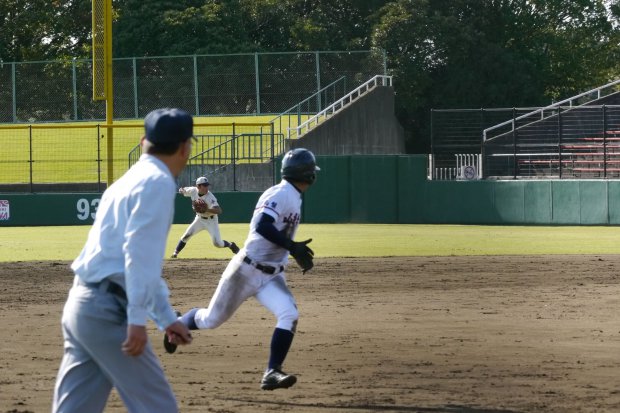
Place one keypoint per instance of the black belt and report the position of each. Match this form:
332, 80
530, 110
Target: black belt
267, 269
107, 286
211, 217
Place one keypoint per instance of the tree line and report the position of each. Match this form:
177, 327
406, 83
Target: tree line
442, 53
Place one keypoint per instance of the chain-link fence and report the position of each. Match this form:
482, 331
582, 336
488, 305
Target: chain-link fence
75, 157
460, 131
256, 83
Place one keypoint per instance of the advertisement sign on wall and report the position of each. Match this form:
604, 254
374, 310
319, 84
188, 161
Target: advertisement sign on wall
5, 211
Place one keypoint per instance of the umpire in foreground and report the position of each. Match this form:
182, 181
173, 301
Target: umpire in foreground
118, 284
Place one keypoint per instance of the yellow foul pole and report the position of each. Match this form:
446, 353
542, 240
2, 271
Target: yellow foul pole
102, 71
109, 102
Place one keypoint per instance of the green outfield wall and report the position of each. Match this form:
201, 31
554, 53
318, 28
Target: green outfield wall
375, 189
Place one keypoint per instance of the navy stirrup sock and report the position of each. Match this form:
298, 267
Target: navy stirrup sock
188, 319
280, 344
180, 246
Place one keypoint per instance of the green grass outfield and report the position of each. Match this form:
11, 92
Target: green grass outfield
344, 240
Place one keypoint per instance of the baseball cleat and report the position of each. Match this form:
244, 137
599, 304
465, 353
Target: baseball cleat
174, 255
277, 379
234, 248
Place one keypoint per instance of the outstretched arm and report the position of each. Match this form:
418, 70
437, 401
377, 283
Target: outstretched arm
186, 191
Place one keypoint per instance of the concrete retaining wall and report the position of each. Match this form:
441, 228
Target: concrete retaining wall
367, 127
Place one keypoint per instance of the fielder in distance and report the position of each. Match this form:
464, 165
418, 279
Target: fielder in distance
207, 209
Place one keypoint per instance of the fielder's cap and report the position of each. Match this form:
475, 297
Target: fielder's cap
168, 125
202, 181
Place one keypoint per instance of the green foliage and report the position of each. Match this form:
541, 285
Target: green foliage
40, 30
504, 53
161, 28
443, 53
230, 26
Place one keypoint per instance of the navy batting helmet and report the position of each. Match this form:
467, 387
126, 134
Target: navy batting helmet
299, 165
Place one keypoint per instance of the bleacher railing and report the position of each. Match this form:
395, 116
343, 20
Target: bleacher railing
214, 155
577, 142
340, 104
298, 113
550, 110
221, 162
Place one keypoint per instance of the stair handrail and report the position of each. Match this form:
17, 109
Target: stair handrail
378, 80
267, 154
549, 107
296, 106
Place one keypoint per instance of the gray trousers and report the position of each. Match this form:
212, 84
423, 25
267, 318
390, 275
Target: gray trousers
94, 325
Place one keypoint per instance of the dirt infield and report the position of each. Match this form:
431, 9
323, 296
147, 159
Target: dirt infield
424, 334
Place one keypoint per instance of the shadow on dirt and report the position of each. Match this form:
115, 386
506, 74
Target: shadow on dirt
450, 408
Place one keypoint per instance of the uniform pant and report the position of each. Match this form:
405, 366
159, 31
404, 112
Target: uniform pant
241, 281
94, 325
211, 225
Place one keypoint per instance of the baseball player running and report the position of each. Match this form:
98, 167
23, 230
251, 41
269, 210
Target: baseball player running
118, 286
206, 216
258, 270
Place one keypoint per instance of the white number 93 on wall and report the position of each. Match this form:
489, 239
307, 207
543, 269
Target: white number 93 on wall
87, 208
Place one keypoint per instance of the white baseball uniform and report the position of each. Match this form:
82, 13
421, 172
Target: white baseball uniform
258, 269
203, 221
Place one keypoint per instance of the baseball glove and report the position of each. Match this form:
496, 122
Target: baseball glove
303, 254
199, 206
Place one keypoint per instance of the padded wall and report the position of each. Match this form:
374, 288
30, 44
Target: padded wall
375, 189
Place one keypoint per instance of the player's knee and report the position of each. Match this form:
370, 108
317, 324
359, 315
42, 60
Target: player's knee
288, 320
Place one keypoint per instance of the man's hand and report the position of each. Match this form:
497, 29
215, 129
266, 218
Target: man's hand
136, 340
178, 333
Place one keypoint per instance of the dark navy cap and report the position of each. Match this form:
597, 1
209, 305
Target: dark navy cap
168, 125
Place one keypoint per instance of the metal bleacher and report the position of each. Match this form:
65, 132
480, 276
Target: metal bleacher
577, 138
